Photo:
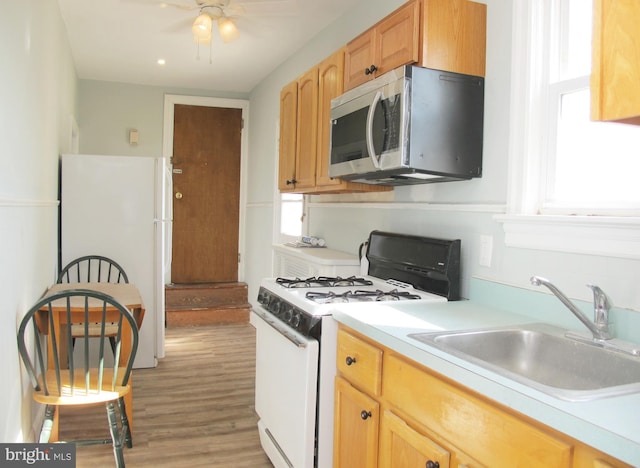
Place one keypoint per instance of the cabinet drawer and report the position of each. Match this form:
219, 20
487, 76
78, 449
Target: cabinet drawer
491, 436
360, 362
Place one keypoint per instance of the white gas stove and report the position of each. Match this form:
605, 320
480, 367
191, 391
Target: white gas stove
296, 338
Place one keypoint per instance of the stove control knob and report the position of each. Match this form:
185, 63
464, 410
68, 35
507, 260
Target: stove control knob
287, 314
295, 319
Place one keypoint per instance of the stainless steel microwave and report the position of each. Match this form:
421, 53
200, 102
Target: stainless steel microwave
412, 125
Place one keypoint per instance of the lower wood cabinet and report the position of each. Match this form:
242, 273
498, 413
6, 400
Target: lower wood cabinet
356, 437
418, 418
401, 445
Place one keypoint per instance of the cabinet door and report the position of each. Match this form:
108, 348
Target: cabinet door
393, 42
397, 39
402, 446
307, 130
615, 94
483, 431
358, 58
330, 79
454, 36
288, 130
355, 436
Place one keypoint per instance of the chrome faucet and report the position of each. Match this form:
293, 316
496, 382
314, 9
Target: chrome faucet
599, 328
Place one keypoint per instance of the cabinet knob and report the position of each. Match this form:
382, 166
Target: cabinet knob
372, 69
291, 182
432, 464
366, 415
350, 360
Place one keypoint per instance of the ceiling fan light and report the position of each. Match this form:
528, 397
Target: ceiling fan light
202, 28
228, 30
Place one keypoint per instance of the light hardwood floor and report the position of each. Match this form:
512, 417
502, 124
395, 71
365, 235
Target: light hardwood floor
196, 409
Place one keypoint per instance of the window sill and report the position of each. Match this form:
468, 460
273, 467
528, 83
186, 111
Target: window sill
590, 235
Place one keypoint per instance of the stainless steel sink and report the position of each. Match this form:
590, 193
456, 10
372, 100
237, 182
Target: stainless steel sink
540, 356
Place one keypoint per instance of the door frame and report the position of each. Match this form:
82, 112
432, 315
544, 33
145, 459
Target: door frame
170, 100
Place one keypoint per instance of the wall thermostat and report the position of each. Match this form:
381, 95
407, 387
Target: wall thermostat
133, 136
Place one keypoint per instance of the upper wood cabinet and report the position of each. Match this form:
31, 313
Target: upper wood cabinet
446, 35
287, 144
387, 45
298, 120
305, 131
615, 77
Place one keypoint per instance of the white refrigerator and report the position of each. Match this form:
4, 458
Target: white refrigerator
116, 206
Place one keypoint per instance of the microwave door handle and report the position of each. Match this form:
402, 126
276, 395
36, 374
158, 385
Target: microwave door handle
370, 114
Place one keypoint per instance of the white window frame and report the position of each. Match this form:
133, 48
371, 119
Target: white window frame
283, 238
524, 227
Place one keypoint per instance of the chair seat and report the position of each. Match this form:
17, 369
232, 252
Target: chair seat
80, 395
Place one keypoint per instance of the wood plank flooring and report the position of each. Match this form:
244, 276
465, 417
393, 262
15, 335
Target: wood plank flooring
196, 409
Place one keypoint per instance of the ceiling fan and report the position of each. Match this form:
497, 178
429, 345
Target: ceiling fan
225, 11
219, 11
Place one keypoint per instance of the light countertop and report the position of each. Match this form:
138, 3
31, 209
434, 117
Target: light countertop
611, 425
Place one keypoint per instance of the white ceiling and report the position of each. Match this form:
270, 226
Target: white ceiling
121, 40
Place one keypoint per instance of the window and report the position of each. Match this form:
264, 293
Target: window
590, 166
570, 164
571, 181
291, 211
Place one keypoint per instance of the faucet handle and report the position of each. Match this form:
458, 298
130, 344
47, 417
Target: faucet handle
601, 306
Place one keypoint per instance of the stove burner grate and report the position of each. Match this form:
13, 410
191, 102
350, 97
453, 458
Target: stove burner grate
360, 296
322, 281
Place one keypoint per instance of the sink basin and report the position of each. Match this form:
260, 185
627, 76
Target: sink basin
540, 356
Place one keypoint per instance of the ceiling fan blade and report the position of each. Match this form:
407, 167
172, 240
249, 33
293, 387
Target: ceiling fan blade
180, 26
163, 4
263, 7
178, 6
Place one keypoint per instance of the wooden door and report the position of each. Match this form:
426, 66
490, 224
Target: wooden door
206, 191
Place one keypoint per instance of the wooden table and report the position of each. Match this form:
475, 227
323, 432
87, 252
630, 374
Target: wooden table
125, 293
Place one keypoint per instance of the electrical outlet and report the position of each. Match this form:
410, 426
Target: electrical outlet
486, 250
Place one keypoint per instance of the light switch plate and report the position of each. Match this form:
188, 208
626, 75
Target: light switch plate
486, 250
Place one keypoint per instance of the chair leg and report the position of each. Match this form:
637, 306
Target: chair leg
126, 432
47, 425
112, 342
115, 436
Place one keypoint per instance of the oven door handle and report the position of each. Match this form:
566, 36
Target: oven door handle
286, 333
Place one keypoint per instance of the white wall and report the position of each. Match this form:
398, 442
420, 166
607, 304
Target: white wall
108, 110
38, 100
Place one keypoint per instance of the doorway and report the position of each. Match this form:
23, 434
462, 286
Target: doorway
224, 241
